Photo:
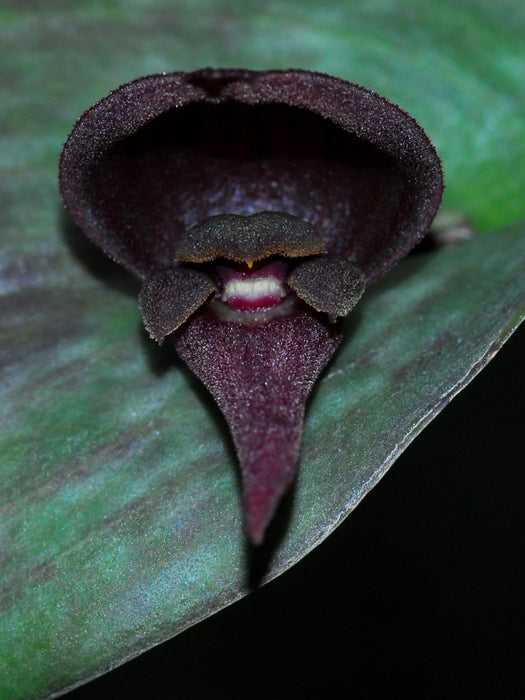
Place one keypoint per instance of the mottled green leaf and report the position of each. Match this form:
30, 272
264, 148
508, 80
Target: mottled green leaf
121, 513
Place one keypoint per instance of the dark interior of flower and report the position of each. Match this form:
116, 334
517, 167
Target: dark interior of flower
201, 160
197, 161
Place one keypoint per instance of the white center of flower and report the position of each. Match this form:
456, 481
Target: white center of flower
253, 289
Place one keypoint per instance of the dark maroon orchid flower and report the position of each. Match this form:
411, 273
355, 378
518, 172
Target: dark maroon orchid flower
256, 207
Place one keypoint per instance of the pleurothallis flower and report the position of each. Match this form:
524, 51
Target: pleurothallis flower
255, 207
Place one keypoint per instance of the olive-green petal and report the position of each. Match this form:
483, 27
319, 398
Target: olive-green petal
331, 285
169, 298
249, 238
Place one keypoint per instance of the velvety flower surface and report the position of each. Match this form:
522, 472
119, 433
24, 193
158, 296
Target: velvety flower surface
256, 207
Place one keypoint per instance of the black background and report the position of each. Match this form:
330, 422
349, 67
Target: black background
419, 594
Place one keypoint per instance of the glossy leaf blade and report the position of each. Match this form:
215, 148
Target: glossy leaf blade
121, 508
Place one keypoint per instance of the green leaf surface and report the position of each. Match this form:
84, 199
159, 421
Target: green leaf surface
121, 510
120, 506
